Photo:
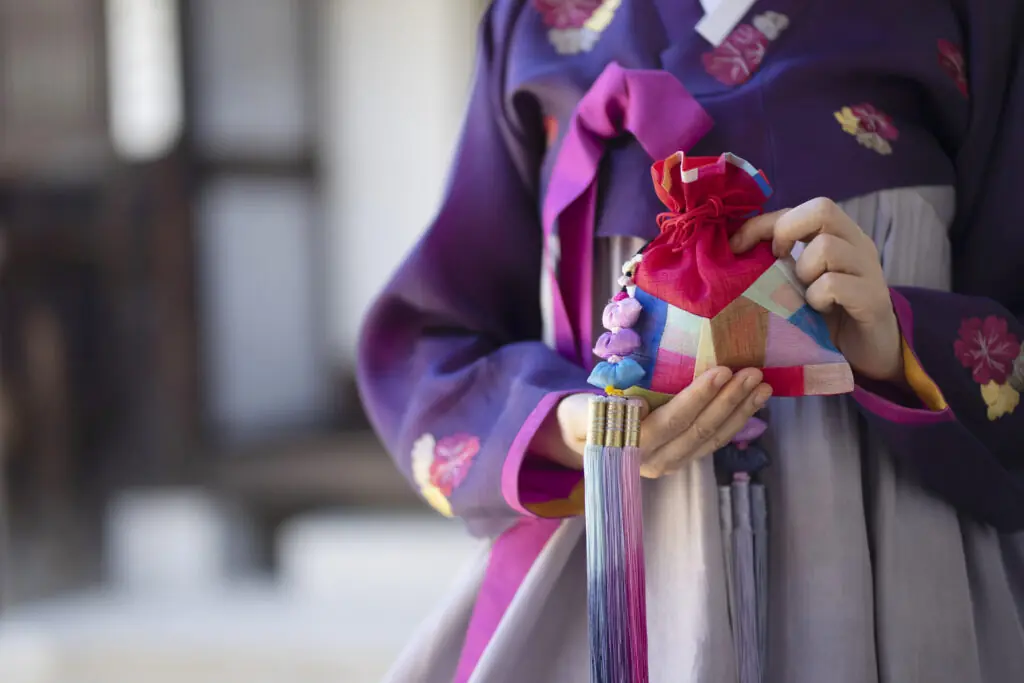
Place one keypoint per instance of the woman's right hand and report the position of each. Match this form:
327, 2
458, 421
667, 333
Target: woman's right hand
698, 421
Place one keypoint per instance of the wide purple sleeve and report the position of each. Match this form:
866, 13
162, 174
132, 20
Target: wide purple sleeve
963, 434
451, 368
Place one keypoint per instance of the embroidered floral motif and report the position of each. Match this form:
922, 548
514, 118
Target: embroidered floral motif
739, 56
987, 348
951, 59
452, 458
1001, 399
996, 360
439, 467
873, 128
574, 26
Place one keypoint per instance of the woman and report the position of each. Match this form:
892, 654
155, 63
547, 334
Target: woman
895, 514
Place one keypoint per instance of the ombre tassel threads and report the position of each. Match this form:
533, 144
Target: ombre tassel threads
616, 584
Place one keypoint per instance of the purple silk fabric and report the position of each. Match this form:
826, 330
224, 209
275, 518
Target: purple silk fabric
453, 346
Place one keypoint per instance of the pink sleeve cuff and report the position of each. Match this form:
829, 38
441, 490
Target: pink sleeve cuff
531, 484
930, 405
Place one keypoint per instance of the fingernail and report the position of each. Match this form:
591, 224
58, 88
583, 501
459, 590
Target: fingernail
751, 381
720, 378
762, 396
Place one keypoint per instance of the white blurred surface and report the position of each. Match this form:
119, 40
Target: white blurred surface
353, 591
176, 542
266, 369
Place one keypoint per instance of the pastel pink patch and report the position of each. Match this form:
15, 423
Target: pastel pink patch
786, 296
680, 340
671, 371
828, 380
789, 346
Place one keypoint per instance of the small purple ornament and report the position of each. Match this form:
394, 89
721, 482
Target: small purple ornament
751, 431
621, 343
622, 313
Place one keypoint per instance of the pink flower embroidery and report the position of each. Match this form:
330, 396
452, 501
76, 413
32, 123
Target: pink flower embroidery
739, 56
871, 127
735, 60
562, 14
987, 348
874, 121
951, 59
452, 458
575, 25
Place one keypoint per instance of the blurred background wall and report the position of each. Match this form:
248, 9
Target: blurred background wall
196, 209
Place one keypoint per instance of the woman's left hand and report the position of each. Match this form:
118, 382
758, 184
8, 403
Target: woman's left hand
843, 274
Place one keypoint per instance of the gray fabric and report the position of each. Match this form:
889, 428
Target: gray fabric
871, 579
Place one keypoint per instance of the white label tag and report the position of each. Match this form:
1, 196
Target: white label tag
718, 23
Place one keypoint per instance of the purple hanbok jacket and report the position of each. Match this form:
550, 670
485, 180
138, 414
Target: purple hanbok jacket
572, 102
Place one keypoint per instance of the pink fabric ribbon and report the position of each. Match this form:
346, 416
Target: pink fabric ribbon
664, 118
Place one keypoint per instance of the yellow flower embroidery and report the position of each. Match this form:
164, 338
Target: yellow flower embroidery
1001, 399
875, 142
603, 16
848, 120
871, 127
422, 457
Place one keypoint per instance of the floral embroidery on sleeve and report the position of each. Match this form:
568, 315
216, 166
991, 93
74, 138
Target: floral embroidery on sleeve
951, 59
439, 467
739, 56
574, 26
996, 360
873, 128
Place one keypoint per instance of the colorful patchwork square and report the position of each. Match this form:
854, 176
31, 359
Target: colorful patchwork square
682, 331
812, 324
650, 327
788, 345
673, 370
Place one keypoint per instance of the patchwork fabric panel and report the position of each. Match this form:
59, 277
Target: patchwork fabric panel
770, 327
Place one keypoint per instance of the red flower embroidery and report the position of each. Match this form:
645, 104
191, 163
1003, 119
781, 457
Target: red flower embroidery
875, 121
737, 58
452, 458
987, 348
562, 14
951, 59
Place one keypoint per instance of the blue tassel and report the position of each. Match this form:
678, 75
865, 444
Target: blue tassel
622, 375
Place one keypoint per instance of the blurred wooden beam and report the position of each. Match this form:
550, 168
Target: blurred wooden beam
348, 468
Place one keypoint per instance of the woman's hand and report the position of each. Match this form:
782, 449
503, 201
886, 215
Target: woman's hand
696, 422
844, 279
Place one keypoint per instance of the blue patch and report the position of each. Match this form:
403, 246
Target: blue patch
650, 327
622, 375
813, 325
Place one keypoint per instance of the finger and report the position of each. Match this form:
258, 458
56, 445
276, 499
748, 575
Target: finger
829, 254
757, 229
737, 421
704, 427
851, 292
678, 414
816, 217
